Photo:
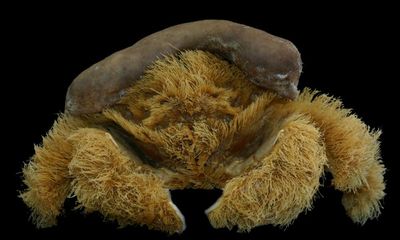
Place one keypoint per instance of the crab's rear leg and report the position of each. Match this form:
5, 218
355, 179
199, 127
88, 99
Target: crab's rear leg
353, 154
281, 187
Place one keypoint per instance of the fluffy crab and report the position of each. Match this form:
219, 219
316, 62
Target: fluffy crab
218, 116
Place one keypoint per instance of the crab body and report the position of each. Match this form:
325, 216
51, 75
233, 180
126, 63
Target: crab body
194, 119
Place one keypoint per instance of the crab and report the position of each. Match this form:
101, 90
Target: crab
208, 104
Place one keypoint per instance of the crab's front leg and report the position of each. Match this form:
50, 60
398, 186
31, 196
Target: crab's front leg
353, 153
108, 179
46, 175
281, 187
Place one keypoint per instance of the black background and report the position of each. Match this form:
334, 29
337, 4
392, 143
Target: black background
348, 51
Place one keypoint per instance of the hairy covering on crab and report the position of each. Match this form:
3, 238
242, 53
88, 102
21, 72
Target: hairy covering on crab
194, 121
